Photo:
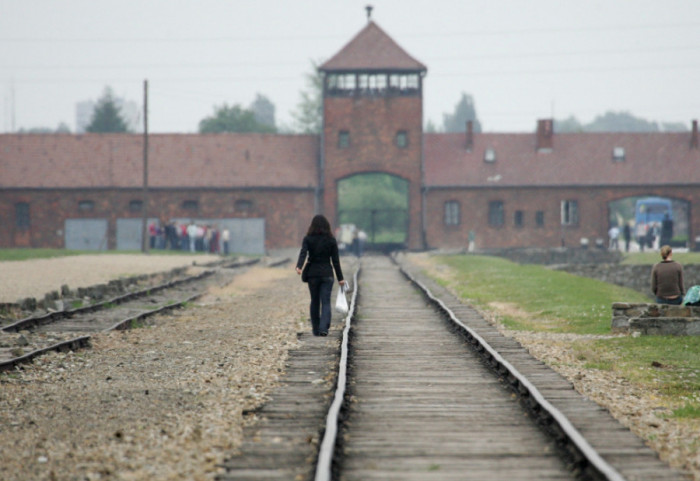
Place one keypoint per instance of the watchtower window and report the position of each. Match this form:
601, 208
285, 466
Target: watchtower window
340, 84
343, 139
402, 139
379, 83
489, 155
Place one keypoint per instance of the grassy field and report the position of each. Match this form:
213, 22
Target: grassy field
534, 298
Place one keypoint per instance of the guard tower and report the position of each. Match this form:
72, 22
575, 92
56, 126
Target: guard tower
372, 120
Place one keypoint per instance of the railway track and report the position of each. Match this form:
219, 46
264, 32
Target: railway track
426, 389
71, 329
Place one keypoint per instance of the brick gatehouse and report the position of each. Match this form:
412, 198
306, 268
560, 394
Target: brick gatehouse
508, 190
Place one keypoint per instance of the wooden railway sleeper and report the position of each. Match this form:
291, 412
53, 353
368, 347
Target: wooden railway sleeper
584, 459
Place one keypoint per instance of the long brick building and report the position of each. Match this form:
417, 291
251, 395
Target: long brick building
505, 190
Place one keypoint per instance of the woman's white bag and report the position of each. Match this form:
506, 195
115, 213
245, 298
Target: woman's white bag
341, 303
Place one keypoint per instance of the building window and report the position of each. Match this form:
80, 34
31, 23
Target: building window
619, 154
452, 212
496, 213
22, 215
86, 206
539, 218
343, 139
518, 218
191, 205
243, 205
402, 139
490, 155
135, 206
569, 212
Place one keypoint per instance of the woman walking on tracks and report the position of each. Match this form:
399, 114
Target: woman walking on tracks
322, 250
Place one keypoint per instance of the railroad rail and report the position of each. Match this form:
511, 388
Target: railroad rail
70, 329
425, 388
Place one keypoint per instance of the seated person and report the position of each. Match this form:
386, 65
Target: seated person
667, 279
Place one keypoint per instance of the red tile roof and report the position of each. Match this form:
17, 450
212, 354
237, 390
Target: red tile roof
175, 160
576, 159
372, 49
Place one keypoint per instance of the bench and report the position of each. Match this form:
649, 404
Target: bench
655, 319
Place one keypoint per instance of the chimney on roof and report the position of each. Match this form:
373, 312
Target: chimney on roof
470, 135
694, 135
369, 12
545, 135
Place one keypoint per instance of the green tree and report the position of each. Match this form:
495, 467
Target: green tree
308, 116
569, 125
616, 122
620, 122
430, 127
263, 110
233, 119
673, 127
107, 116
464, 110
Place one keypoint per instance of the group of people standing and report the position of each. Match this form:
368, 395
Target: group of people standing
646, 235
191, 237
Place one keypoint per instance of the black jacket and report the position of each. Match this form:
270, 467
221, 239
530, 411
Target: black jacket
322, 251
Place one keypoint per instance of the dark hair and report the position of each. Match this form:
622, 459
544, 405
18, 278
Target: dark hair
320, 226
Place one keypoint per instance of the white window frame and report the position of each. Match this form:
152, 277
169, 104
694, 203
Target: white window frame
452, 213
569, 212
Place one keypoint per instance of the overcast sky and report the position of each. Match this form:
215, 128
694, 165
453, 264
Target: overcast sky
520, 60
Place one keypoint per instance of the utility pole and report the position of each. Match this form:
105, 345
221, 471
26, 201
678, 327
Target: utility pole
144, 220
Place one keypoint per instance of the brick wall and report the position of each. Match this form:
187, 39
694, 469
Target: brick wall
592, 222
287, 212
372, 124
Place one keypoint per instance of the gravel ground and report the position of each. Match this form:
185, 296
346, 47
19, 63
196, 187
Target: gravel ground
165, 402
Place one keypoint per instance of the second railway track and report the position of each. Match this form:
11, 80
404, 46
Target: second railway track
71, 329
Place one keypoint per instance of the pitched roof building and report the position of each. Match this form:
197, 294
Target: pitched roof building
495, 189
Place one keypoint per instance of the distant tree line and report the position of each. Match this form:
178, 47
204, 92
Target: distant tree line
259, 116
616, 122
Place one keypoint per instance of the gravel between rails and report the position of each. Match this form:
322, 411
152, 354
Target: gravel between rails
163, 402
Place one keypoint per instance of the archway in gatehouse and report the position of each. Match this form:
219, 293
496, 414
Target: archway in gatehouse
651, 220
376, 204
